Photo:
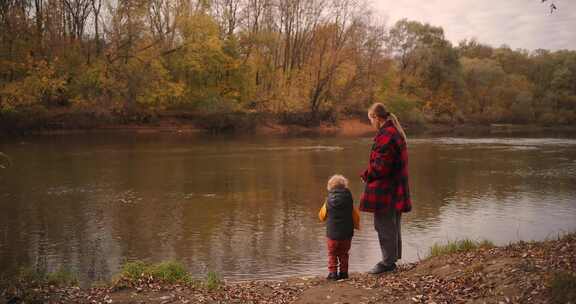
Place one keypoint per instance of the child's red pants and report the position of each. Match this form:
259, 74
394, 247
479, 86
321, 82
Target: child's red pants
338, 253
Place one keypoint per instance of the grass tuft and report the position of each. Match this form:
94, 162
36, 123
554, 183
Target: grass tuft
171, 272
458, 246
133, 270
212, 280
60, 277
31, 274
563, 288
168, 272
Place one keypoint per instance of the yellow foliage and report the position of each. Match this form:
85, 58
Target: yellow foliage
39, 84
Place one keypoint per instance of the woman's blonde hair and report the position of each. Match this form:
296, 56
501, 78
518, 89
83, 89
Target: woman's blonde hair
337, 181
377, 110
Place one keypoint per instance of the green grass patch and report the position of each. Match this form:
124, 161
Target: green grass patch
60, 277
134, 270
30, 274
212, 280
458, 246
167, 272
563, 288
171, 272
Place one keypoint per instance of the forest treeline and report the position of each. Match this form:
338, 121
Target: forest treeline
312, 59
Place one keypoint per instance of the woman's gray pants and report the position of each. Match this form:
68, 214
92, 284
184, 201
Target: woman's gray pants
387, 224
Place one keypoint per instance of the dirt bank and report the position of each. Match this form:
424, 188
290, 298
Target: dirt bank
250, 123
535, 272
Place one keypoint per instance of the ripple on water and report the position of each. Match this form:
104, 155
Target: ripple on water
518, 143
64, 190
558, 172
302, 148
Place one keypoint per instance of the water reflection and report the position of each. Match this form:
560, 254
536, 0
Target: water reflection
247, 207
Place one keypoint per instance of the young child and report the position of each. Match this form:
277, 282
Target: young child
341, 219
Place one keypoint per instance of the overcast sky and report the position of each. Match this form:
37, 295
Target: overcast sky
525, 24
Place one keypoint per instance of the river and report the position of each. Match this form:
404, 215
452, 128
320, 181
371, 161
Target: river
246, 207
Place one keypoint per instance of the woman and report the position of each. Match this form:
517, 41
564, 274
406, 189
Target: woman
386, 193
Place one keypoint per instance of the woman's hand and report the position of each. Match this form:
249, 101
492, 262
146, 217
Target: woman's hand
363, 176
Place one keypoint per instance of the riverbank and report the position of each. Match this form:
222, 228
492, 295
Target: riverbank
524, 272
183, 122
256, 124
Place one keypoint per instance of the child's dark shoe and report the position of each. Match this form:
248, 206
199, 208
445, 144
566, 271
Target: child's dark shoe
343, 276
333, 276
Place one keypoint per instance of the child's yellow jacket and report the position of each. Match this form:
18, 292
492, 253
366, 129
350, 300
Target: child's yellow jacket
355, 216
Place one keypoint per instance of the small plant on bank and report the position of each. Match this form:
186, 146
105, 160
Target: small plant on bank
563, 288
167, 272
60, 277
458, 246
212, 280
170, 272
30, 274
133, 270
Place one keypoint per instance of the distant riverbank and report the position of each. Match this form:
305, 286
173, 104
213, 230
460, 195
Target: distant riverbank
524, 272
249, 123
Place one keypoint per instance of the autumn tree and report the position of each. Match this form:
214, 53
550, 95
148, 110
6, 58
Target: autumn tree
303, 61
428, 66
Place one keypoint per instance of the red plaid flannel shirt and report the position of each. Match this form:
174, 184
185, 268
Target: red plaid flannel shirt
387, 175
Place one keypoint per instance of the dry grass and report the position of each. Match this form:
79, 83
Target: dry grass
458, 246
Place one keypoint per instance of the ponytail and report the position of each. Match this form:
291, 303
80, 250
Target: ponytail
396, 123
